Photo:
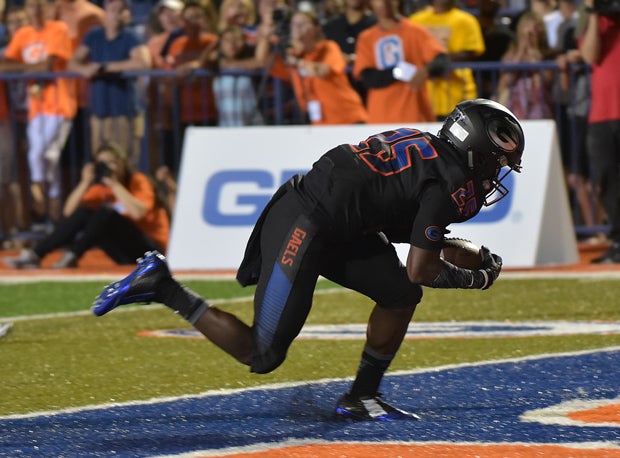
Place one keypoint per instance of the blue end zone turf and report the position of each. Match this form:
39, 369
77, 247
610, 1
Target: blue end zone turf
479, 403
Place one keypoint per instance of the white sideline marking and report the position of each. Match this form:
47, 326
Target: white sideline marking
437, 330
459, 329
205, 275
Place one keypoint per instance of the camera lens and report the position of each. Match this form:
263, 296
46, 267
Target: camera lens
101, 170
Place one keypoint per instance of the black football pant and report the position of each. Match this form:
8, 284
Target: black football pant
295, 251
104, 228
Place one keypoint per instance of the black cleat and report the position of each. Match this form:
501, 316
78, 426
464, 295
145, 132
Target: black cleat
370, 408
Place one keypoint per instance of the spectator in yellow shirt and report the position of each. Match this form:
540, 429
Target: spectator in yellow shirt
460, 34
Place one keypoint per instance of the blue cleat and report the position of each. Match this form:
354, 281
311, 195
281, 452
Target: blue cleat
139, 286
370, 408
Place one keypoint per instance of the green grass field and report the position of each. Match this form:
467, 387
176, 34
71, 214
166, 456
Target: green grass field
55, 358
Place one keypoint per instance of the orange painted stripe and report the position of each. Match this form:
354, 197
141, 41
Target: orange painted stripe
344, 450
604, 414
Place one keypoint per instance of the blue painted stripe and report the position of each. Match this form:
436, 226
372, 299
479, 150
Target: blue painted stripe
276, 295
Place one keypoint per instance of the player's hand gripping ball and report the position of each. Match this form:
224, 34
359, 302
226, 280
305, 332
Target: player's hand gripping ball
462, 253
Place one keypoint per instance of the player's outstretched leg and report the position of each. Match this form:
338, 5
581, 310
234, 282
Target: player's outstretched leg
151, 281
139, 286
370, 408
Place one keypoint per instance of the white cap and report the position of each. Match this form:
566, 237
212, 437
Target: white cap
176, 5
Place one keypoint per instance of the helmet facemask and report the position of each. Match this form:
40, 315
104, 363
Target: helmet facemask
491, 169
497, 191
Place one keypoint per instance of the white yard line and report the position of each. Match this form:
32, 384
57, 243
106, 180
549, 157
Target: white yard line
205, 275
280, 385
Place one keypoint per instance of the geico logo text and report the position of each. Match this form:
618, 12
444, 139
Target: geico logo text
237, 197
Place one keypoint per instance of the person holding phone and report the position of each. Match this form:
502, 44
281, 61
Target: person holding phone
113, 208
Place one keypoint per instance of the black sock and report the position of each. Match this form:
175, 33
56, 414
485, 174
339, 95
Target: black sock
372, 367
182, 300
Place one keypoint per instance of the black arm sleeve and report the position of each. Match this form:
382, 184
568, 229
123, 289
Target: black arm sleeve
452, 276
439, 66
374, 78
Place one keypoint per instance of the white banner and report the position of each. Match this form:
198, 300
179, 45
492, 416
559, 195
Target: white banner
228, 174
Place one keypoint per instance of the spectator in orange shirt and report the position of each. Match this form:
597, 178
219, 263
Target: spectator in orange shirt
393, 59
317, 70
113, 207
191, 52
44, 46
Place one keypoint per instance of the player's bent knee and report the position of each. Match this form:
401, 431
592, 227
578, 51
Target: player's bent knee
267, 361
410, 297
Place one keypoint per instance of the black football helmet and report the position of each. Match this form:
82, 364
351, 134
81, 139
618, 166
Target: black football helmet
490, 137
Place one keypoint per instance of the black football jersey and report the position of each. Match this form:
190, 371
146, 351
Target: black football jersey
406, 183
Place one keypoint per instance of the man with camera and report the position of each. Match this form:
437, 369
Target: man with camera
600, 47
113, 208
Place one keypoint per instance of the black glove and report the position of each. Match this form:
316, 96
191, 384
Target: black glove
491, 265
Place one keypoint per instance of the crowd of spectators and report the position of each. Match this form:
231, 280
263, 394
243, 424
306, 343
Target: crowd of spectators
217, 63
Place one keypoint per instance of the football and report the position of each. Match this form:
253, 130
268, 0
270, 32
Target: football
462, 253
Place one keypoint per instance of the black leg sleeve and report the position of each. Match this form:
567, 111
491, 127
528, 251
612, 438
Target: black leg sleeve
370, 373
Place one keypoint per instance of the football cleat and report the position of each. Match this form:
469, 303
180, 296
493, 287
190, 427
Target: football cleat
370, 408
139, 286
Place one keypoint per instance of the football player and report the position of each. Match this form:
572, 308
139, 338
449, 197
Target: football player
339, 220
